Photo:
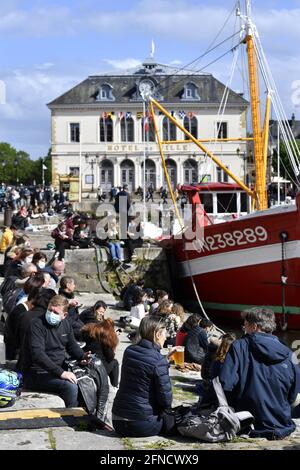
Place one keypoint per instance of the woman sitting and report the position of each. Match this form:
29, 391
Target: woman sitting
102, 340
113, 241
94, 314
82, 235
172, 321
145, 389
63, 239
211, 368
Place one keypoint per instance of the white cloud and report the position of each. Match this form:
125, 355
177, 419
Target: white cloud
123, 64
45, 66
176, 62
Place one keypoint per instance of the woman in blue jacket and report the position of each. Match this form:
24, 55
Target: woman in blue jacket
145, 389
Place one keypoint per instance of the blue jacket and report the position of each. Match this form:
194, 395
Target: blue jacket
196, 345
145, 388
258, 375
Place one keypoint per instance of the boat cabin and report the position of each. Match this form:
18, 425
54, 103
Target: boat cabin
221, 201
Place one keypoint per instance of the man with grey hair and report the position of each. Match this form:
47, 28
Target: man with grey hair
259, 376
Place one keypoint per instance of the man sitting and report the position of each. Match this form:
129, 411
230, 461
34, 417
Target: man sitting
43, 354
259, 376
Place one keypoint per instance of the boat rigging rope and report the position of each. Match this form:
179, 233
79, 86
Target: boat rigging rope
286, 131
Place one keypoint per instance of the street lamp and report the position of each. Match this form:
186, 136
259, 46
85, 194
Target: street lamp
16, 164
92, 160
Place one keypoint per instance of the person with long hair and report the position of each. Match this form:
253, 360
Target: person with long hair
102, 340
145, 390
94, 314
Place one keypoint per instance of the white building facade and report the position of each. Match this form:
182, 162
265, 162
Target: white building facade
98, 130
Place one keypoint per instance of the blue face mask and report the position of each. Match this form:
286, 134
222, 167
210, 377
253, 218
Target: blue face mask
52, 318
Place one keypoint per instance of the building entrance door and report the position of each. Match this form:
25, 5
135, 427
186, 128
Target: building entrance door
172, 171
150, 174
106, 175
128, 175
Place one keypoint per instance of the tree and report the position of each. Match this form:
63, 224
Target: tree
286, 169
17, 167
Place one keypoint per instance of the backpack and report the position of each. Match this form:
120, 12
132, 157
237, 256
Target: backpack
10, 387
92, 381
10, 299
221, 425
55, 233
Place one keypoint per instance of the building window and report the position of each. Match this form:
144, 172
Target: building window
74, 171
74, 132
225, 176
206, 178
105, 93
89, 179
169, 129
226, 203
222, 176
190, 92
191, 124
127, 129
106, 129
222, 130
207, 202
149, 129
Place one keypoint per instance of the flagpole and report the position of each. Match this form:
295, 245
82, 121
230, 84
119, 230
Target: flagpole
80, 171
278, 164
43, 173
144, 169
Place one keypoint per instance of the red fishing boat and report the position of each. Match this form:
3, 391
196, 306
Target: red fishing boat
238, 260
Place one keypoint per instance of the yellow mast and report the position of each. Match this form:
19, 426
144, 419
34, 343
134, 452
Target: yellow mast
261, 190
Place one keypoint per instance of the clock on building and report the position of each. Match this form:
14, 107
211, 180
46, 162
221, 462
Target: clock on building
146, 89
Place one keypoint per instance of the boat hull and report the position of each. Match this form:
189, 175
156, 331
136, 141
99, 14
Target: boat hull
243, 263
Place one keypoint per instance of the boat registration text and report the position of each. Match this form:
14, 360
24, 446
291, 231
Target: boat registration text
231, 239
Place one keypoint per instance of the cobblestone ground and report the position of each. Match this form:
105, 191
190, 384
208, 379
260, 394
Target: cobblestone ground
70, 439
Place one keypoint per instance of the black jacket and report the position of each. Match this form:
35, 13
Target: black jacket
88, 316
118, 205
196, 345
11, 332
20, 222
145, 389
45, 347
73, 315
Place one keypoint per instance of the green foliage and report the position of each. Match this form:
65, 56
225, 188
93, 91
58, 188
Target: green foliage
17, 167
286, 170
127, 443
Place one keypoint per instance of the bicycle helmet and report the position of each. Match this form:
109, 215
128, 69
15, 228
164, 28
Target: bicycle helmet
10, 387
6, 401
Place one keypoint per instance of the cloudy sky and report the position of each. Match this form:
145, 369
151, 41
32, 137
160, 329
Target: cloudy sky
46, 47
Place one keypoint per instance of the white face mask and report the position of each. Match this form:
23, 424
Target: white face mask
28, 259
41, 264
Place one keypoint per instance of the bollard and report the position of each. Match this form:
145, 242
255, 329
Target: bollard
7, 216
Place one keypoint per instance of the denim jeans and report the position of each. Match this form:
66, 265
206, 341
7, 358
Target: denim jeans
115, 250
49, 383
138, 428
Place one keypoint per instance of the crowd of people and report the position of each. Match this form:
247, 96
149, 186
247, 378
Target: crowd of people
45, 327
37, 199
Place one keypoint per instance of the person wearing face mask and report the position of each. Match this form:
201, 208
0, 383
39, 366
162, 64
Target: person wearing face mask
40, 260
43, 353
24, 257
